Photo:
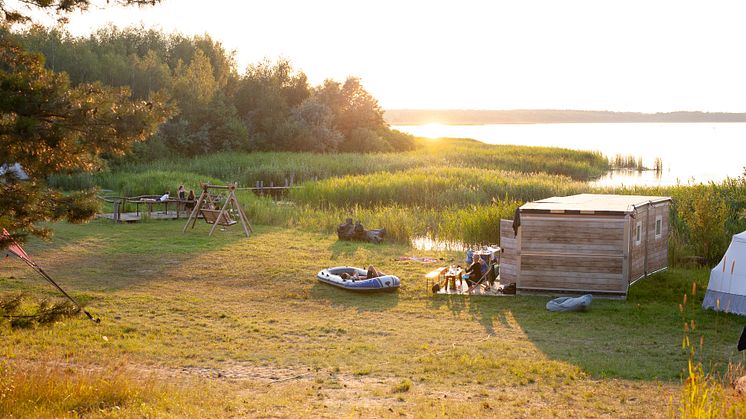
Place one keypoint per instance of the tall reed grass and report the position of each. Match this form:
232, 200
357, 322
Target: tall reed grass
148, 182
629, 161
66, 390
704, 394
444, 187
579, 165
57, 392
248, 168
473, 224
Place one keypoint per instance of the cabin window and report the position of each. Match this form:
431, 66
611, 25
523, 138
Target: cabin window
638, 234
659, 227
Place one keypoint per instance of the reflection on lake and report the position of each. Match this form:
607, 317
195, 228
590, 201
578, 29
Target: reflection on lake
691, 152
428, 243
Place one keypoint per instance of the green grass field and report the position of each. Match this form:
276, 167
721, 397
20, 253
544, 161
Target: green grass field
229, 326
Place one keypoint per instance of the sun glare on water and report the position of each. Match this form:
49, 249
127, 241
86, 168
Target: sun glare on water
432, 130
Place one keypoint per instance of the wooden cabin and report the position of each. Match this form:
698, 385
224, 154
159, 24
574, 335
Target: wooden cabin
587, 243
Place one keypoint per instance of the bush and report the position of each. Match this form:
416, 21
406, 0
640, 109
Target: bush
704, 213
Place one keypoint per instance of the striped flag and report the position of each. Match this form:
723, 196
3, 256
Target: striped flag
14, 247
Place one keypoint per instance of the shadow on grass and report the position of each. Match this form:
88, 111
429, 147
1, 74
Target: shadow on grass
638, 339
104, 256
455, 303
362, 302
341, 248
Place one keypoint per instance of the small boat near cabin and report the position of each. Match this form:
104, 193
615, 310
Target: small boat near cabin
355, 279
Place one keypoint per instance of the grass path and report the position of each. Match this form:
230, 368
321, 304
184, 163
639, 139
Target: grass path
244, 324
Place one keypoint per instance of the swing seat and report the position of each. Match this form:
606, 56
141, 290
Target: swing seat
215, 216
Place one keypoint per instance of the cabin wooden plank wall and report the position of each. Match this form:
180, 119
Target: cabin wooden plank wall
638, 228
509, 257
562, 252
658, 239
649, 245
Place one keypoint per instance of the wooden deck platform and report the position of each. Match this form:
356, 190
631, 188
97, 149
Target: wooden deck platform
133, 217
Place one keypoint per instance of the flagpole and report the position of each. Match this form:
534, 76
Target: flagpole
26, 258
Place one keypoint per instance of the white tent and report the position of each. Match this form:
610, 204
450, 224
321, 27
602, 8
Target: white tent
727, 288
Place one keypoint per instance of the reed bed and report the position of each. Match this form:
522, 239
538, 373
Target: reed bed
279, 168
473, 224
579, 165
425, 187
629, 161
148, 182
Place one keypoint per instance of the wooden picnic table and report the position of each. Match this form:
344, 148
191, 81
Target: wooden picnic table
151, 202
452, 274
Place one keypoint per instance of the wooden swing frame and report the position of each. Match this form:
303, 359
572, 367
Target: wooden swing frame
218, 217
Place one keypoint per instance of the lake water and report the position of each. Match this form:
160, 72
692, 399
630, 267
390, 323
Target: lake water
691, 152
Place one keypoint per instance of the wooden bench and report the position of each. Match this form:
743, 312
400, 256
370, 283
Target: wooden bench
213, 216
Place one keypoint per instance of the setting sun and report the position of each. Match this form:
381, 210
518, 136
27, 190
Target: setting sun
432, 130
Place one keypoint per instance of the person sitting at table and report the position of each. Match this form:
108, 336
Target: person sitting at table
483, 264
190, 205
181, 193
474, 270
165, 197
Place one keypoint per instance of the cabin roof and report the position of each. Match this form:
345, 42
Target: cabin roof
592, 203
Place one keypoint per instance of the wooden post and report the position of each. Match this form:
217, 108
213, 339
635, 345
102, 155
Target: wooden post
222, 211
117, 211
241, 214
197, 207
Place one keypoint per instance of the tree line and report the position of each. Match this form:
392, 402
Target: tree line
70, 104
210, 106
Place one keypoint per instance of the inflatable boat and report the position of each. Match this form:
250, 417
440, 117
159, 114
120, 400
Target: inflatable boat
355, 279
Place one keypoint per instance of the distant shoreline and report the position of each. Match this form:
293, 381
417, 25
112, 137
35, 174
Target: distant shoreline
548, 116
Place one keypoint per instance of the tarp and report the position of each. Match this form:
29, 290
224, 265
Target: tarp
570, 303
16, 169
726, 290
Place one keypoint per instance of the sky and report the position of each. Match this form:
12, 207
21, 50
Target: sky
644, 56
